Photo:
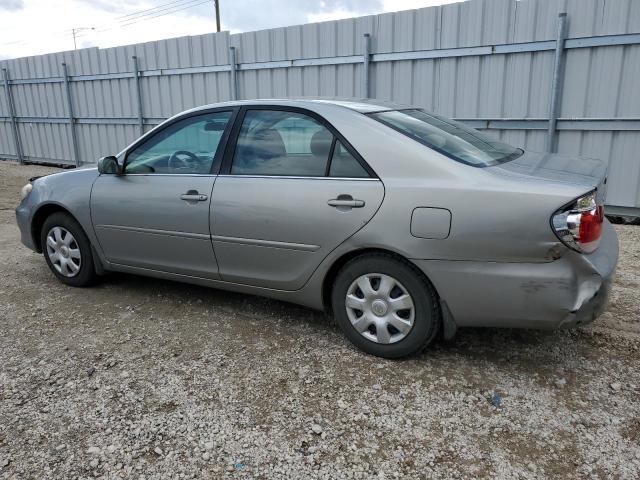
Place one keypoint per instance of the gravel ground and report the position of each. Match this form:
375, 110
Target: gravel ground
142, 378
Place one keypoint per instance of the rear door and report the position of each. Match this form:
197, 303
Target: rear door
291, 190
156, 215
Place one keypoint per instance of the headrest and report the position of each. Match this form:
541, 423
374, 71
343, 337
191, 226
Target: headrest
269, 144
321, 143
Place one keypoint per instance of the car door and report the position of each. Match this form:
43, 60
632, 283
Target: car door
156, 215
291, 190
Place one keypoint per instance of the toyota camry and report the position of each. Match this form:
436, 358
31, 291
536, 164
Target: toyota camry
401, 223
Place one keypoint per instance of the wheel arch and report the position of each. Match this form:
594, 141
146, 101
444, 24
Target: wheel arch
327, 283
40, 216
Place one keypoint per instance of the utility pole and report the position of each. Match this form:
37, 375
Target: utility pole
217, 5
76, 30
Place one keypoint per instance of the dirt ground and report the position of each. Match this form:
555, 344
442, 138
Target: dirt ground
143, 378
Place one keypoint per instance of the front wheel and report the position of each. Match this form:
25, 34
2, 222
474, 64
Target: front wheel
385, 306
67, 250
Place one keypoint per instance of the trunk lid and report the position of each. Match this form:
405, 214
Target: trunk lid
551, 167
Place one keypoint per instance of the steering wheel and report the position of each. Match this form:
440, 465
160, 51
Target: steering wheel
176, 163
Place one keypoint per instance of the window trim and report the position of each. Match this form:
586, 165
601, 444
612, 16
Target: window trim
232, 141
217, 157
332, 149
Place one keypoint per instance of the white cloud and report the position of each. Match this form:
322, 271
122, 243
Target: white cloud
385, 6
31, 27
397, 5
11, 4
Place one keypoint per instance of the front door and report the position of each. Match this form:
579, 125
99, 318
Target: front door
292, 190
156, 215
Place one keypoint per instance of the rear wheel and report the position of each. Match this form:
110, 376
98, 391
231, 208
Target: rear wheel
385, 306
67, 250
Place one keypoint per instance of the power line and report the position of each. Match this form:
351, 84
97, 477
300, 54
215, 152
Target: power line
140, 15
139, 19
125, 20
159, 13
70, 30
30, 41
148, 9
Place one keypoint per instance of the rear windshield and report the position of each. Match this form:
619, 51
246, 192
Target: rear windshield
449, 137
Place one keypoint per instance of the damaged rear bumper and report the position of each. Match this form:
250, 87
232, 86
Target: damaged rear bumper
594, 293
570, 291
591, 308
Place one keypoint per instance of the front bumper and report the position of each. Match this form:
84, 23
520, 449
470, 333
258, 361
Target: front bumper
569, 291
23, 219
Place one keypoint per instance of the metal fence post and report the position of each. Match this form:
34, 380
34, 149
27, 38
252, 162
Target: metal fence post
234, 66
72, 122
366, 53
557, 83
136, 79
12, 115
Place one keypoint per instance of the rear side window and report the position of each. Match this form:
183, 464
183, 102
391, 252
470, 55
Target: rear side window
449, 137
273, 142
287, 143
343, 164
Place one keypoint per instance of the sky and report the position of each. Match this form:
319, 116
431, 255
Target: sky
33, 27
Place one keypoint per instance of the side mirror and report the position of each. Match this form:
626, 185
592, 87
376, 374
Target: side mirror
109, 165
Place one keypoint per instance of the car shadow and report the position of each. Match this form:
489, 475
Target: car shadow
526, 349
246, 304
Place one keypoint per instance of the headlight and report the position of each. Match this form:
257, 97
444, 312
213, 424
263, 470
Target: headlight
26, 190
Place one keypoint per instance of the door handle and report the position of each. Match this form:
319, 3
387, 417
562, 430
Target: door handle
193, 196
345, 201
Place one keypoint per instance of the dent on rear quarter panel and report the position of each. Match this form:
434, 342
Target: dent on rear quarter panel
495, 294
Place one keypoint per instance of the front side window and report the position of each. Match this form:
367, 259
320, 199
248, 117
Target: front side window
449, 137
281, 143
186, 147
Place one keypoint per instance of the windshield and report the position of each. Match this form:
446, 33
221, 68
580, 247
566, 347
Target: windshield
449, 137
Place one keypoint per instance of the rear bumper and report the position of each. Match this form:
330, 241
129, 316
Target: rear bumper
569, 291
591, 308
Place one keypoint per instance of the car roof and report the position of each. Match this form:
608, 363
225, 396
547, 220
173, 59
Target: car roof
361, 105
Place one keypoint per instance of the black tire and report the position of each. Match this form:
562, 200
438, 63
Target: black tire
86, 275
427, 318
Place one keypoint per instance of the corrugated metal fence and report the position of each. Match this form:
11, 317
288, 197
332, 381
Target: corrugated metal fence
519, 68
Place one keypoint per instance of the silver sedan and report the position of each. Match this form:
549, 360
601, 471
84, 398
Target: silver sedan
403, 224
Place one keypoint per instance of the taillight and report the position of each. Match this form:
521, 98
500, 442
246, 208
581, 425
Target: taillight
579, 225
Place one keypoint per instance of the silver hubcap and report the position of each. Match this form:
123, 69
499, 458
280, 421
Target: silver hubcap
63, 251
380, 308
